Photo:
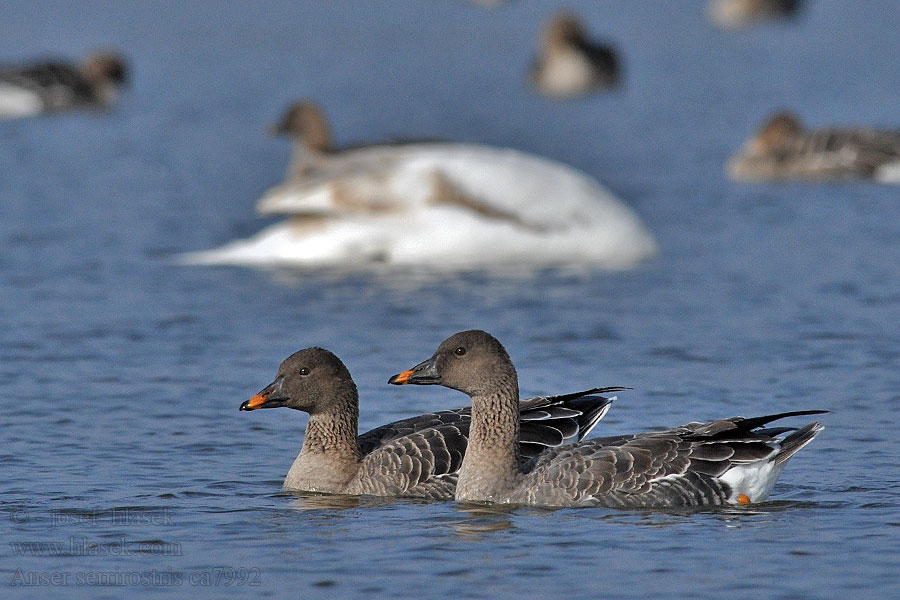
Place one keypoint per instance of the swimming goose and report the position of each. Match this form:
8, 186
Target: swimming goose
734, 14
416, 457
783, 150
54, 86
433, 203
724, 461
569, 65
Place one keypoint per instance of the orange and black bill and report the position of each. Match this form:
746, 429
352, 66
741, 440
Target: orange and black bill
424, 373
271, 396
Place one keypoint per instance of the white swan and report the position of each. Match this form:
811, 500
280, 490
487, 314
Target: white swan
437, 203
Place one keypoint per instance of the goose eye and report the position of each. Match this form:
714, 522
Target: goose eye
459, 351
304, 372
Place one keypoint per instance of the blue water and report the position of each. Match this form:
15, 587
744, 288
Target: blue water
125, 457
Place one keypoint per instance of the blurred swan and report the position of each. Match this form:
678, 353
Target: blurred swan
54, 86
569, 65
436, 203
734, 14
782, 149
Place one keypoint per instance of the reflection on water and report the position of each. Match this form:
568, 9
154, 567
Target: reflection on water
311, 501
482, 520
315, 501
410, 279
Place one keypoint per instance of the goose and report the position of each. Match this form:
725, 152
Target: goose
415, 457
432, 203
733, 461
569, 65
53, 86
734, 14
782, 149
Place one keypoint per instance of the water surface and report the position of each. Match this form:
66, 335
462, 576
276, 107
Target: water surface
126, 460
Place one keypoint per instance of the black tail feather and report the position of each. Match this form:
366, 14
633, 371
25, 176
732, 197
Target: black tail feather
794, 442
754, 422
598, 390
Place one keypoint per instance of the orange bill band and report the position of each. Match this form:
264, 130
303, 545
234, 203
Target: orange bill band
402, 377
256, 401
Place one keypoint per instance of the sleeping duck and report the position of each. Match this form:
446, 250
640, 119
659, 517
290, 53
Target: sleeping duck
569, 64
782, 149
53, 86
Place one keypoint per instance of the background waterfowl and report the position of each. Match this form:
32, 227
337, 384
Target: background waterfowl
433, 203
53, 86
569, 64
417, 457
742, 13
733, 461
398, 176
782, 149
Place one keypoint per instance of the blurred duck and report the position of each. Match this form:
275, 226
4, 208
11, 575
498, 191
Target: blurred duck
569, 65
783, 150
55, 86
734, 14
433, 203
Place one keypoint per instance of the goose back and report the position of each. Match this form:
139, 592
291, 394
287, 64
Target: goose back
684, 466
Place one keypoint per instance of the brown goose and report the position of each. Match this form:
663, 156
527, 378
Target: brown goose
782, 149
416, 457
724, 461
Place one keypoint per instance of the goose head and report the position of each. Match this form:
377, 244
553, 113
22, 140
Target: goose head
312, 380
473, 362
